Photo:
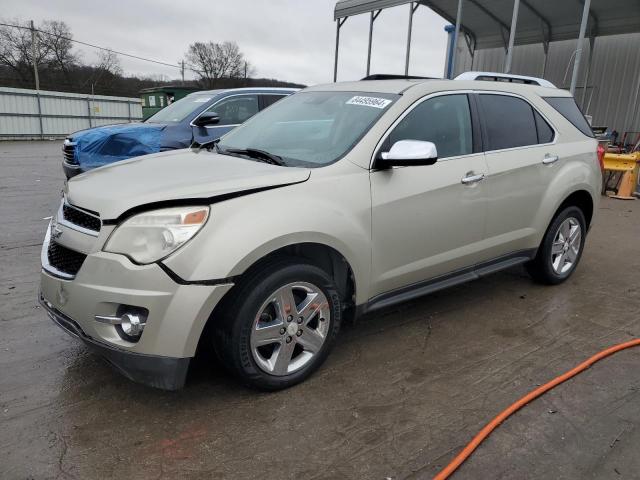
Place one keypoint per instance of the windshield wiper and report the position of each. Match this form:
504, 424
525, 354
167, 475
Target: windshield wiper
260, 155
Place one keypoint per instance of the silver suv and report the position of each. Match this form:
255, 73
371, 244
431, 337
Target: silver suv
339, 200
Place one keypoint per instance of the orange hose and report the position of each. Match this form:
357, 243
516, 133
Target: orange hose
502, 416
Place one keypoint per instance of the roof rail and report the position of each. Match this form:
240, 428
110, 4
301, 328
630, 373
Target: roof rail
391, 76
505, 77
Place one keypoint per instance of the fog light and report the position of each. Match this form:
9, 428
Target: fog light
131, 325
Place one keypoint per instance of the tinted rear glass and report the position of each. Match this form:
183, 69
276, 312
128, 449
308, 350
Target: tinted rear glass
569, 110
509, 122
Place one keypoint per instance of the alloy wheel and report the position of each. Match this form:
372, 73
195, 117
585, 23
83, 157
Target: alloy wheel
290, 328
566, 246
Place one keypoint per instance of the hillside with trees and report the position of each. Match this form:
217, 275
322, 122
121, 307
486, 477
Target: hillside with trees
61, 67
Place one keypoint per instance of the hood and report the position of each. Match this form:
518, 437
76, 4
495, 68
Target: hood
100, 146
117, 128
178, 175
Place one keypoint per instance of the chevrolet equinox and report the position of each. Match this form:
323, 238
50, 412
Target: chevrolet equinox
338, 200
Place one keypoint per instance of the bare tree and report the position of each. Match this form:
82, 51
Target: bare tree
108, 62
57, 35
107, 71
213, 61
15, 49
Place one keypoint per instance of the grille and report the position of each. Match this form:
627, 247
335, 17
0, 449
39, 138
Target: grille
80, 218
65, 260
68, 150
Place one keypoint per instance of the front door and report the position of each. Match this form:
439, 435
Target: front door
233, 111
429, 220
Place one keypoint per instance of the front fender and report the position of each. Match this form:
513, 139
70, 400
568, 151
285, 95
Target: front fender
330, 210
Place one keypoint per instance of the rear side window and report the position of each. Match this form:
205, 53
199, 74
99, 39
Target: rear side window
567, 107
545, 132
268, 100
509, 122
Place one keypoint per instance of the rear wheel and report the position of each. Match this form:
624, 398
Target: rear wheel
279, 325
561, 248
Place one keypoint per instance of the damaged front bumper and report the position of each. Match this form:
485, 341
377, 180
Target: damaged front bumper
166, 373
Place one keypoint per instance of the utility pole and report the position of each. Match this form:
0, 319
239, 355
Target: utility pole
34, 49
182, 71
245, 73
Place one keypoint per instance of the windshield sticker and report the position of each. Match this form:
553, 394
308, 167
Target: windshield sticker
202, 100
369, 102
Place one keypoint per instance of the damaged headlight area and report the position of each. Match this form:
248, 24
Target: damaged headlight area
151, 236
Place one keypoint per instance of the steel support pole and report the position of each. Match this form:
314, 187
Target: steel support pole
512, 36
447, 63
545, 47
576, 62
372, 19
339, 23
412, 10
592, 44
454, 46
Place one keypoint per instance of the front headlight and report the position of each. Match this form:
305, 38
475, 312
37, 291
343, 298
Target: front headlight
151, 236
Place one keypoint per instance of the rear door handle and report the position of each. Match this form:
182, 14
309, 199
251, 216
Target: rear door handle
472, 178
549, 159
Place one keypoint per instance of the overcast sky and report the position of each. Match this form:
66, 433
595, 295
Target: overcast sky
286, 39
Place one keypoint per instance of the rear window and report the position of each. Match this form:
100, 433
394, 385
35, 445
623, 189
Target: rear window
567, 107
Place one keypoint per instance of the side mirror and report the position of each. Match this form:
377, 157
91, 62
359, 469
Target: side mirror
207, 118
409, 153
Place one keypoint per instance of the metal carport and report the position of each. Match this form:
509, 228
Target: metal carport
504, 23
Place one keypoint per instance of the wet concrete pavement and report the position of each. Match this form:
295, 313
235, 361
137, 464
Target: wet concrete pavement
402, 392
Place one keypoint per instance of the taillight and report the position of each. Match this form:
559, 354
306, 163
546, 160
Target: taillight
601, 151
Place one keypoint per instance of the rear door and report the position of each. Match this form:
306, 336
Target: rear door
425, 221
522, 158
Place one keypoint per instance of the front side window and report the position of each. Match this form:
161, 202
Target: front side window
235, 110
310, 128
509, 122
444, 120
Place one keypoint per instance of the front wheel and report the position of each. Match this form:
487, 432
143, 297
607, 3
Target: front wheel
561, 248
279, 325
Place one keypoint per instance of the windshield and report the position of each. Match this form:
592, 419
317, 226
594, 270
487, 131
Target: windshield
178, 111
309, 128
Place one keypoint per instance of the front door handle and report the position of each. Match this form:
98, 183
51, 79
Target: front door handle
549, 159
472, 178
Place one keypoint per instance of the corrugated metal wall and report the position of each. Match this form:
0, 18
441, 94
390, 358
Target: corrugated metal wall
25, 114
612, 93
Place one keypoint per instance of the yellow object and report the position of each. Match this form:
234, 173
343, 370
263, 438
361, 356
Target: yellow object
629, 164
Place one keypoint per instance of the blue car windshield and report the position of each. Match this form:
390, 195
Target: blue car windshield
181, 109
309, 128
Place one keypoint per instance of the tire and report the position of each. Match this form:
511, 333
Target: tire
549, 266
257, 312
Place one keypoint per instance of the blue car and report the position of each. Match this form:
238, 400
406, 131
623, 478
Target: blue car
199, 117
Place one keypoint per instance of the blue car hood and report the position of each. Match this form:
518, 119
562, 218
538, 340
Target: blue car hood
104, 145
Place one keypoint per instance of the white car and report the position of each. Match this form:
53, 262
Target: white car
338, 200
